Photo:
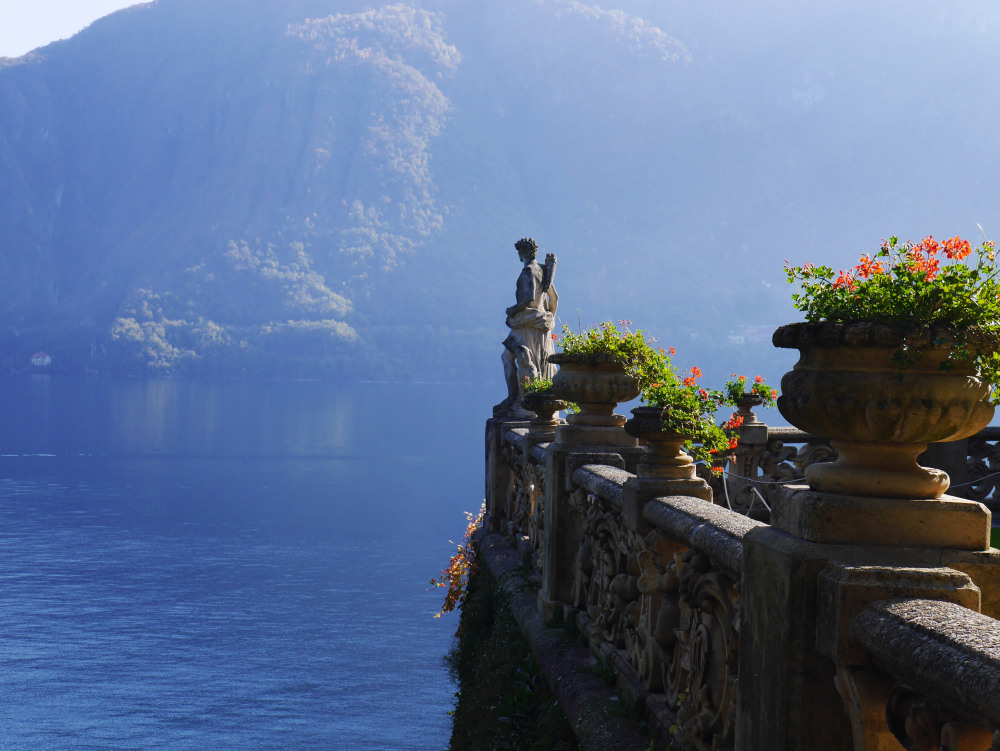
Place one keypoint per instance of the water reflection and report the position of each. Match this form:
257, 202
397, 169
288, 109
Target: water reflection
228, 565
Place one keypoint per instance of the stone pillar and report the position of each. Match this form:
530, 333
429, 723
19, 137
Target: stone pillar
498, 475
663, 470
574, 446
824, 559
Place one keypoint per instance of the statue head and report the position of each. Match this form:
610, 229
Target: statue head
526, 248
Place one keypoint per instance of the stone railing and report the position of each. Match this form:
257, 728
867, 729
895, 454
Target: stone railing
744, 635
662, 590
523, 515
932, 680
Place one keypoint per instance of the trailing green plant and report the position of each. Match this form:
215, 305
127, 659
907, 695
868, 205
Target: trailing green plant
501, 701
543, 385
539, 385
913, 287
689, 409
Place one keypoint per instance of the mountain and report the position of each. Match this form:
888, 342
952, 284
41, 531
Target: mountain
333, 187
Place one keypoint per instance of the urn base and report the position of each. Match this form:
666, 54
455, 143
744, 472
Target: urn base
838, 519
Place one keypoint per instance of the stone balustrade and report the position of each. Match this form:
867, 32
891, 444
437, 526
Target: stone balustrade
931, 680
744, 635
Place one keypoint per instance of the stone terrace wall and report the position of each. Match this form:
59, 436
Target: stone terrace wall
726, 632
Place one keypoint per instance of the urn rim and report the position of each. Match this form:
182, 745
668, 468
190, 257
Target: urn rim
828, 334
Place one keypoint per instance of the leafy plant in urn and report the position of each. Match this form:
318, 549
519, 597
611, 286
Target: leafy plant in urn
896, 352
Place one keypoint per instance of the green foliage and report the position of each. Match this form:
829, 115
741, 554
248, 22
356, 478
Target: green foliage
532, 385
736, 387
629, 349
688, 409
912, 286
502, 701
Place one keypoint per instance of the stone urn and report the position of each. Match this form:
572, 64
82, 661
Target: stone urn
847, 387
745, 406
666, 461
597, 384
544, 404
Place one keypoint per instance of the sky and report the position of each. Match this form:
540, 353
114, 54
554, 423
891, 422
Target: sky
28, 24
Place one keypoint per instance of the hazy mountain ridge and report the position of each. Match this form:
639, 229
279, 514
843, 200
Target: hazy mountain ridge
333, 187
211, 196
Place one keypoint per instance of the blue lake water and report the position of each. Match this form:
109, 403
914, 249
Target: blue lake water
229, 565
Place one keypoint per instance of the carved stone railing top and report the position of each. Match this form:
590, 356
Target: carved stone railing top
784, 460
537, 452
603, 481
517, 437
713, 530
940, 650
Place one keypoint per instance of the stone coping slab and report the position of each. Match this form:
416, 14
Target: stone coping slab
713, 530
833, 519
950, 652
603, 480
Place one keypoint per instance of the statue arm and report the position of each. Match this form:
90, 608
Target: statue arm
525, 293
553, 302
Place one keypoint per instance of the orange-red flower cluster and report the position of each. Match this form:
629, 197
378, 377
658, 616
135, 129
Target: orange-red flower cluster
868, 266
845, 280
957, 248
733, 422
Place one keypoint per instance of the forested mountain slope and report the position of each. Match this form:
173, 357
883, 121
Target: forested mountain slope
333, 187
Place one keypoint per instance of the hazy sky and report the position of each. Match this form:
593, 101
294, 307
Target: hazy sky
27, 24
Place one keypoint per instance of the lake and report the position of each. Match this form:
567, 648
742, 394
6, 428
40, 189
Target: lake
229, 564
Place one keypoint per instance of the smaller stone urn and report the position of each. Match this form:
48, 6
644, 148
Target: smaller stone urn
666, 463
544, 404
745, 405
879, 417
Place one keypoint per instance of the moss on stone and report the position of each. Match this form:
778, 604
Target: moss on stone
503, 701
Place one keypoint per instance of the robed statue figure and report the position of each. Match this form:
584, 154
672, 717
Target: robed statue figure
531, 320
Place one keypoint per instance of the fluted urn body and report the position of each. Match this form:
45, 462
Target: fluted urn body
880, 416
596, 384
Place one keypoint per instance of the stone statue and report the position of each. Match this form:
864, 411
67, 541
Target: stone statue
531, 320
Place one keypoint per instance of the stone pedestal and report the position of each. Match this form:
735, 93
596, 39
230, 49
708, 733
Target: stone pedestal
798, 597
836, 519
574, 446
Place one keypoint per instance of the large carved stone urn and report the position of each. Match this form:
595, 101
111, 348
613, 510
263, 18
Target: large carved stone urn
846, 386
597, 384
